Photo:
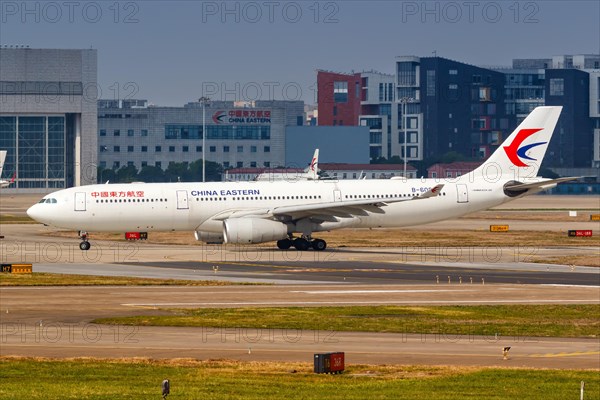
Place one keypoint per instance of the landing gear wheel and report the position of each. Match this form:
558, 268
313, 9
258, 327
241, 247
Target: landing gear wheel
84, 245
319, 244
301, 244
284, 244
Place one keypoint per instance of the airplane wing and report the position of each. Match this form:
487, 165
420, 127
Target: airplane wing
327, 210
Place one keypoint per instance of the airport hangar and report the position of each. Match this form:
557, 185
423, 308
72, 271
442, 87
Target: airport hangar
48, 116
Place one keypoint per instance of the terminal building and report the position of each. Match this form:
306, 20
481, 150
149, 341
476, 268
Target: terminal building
48, 117
133, 133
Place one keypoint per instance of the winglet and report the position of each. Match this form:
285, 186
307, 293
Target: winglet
433, 192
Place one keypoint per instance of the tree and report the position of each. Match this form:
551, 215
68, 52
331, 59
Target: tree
127, 174
106, 174
151, 174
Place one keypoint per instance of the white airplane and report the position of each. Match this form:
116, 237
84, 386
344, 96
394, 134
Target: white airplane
290, 212
4, 184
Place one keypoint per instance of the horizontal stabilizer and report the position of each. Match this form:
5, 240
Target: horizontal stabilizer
518, 188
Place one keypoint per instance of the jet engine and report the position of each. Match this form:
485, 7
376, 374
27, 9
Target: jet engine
253, 230
209, 237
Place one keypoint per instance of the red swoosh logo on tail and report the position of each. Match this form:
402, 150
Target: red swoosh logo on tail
511, 150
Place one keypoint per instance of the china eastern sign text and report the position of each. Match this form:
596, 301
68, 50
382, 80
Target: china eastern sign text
242, 117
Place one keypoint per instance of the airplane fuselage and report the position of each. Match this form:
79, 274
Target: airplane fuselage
192, 206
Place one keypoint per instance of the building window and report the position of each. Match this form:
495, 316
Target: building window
144, 164
334, 110
185, 149
116, 164
158, 164
453, 72
130, 149
267, 164
129, 132
144, 132
103, 164
103, 149
252, 149
431, 82
267, 149
144, 149
557, 87
240, 149
225, 164
117, 149
130, 163
453, 86
102, 132
252, 164
340, 92
157, 149
239, 164
225, 149
213, 149
117, 132
171, 149
198, 149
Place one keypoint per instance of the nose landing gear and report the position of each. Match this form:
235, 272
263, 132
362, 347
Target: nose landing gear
84, 245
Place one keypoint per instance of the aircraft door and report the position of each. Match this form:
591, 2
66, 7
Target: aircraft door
182, 200
80, 201
337, 195
462, 193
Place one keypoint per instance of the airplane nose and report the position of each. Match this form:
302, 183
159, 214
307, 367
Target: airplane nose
34, 212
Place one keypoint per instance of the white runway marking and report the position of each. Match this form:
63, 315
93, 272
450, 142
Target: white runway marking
387, 302
577, 286
379, 291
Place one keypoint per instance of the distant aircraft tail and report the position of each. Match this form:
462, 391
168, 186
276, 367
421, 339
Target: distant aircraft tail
2, 158
312, 171
521, 154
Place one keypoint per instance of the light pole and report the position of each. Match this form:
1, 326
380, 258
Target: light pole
203, 100
405, 101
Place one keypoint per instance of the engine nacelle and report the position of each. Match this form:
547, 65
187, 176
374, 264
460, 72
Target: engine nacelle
209, 237
253, 230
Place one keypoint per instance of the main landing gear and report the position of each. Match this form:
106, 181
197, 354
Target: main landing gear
302, 243
84, 245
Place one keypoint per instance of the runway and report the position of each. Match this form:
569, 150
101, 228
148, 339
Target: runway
55, 322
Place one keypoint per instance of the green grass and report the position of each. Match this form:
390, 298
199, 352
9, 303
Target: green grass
16, 219
507, 320
141, 379
46, 279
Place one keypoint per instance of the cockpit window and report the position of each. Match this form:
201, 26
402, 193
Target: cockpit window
48, 201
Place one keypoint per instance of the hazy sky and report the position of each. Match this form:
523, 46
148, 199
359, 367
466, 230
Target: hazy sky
173, 50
